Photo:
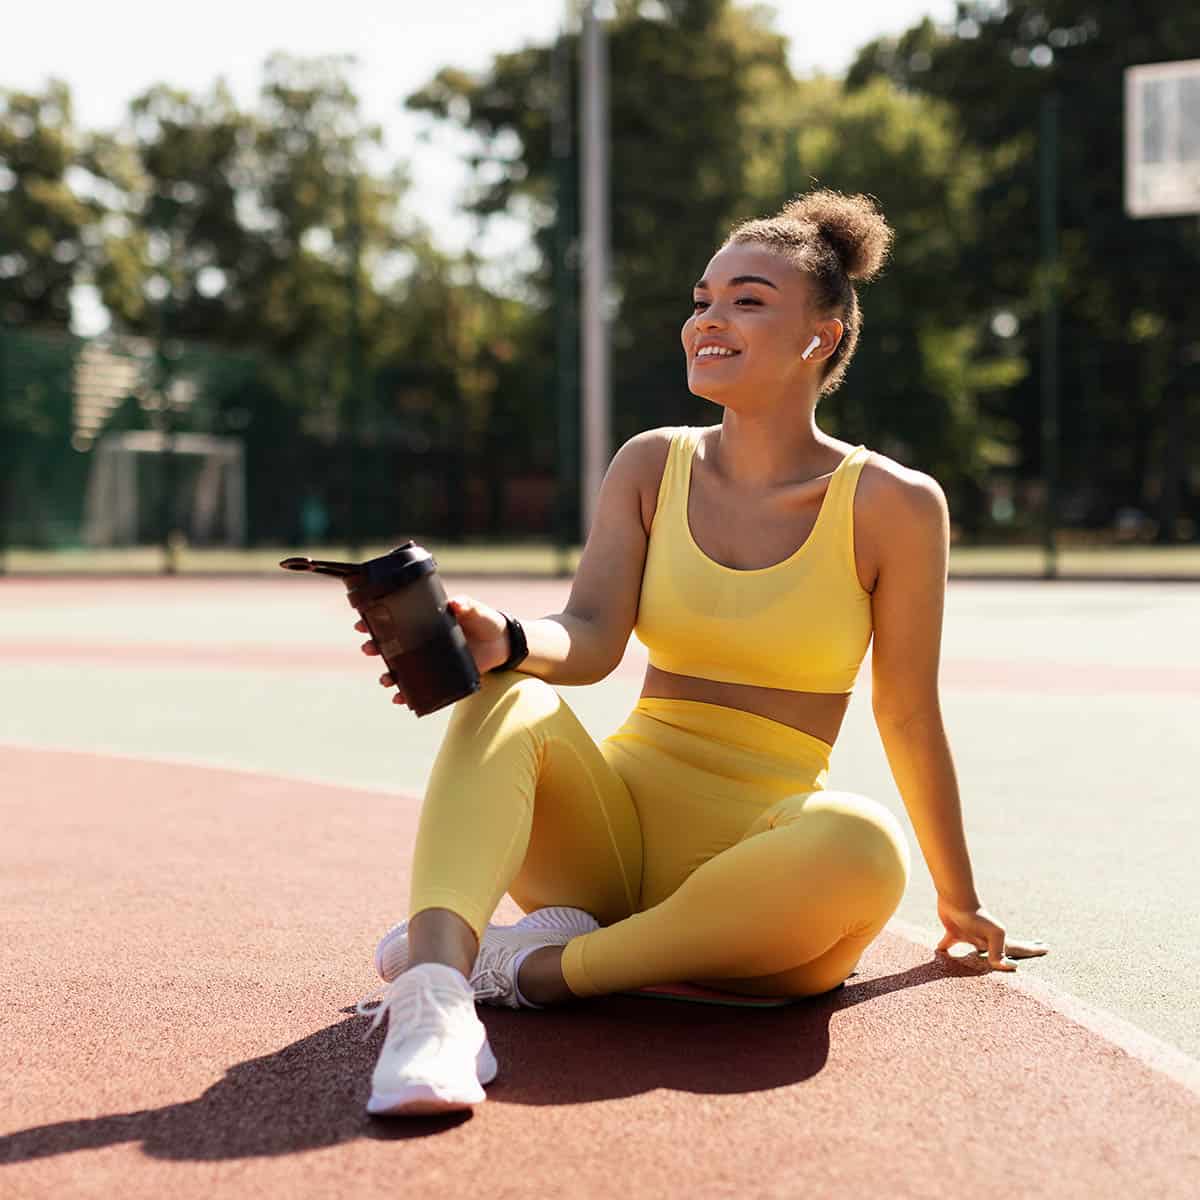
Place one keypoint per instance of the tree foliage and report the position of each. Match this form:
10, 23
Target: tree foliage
42, 221
279, 228
1130, 327
685, 94
925, 356
709, 127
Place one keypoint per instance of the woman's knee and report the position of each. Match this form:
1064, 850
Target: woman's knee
879, 838
504, 700
867, 839
499, 686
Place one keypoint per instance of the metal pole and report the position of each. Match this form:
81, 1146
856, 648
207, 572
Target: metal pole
5, 475
1048, 145
594, 292
168, 475
355, 392
566, 329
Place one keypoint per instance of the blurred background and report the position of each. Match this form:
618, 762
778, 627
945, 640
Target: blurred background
314, 284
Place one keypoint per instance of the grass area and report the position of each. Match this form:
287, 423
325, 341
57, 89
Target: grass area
491, 559
547, 561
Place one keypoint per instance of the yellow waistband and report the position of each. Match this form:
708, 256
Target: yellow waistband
735, 727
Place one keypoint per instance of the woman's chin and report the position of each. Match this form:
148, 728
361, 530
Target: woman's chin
725, 397
706, 389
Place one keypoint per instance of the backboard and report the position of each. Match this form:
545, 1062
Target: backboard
1162, 139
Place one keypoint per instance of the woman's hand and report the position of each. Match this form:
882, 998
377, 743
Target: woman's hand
978, 928
484, 628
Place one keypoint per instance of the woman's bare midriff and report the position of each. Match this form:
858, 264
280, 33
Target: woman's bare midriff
819, 714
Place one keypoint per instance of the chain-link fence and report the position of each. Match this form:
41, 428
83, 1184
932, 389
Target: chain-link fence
123, 442
111, 444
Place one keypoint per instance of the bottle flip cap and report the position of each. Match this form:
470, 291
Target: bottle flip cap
402, 566
316, 564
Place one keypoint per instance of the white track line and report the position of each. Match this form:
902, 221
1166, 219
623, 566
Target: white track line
1137, 1043
211, 764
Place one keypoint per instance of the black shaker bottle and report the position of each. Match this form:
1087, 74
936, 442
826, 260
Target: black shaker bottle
401, 599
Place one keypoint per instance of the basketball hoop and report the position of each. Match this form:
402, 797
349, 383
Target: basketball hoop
1162, 139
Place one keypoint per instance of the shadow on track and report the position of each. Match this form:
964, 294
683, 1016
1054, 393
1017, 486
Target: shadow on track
312, 1093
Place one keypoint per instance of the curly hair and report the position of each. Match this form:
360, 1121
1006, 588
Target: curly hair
835, 239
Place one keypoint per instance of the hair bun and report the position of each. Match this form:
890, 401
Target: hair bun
852, 225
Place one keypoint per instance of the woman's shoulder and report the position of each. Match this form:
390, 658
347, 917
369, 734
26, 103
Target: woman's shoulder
645, 454
900, 517
651, 442
642, 461
892, 480
662, 436
649, 451
896, 492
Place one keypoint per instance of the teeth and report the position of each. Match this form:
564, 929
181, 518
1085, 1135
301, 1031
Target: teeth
718, 350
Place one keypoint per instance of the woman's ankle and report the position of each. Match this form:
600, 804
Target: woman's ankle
540, 978
440, 936
459, 964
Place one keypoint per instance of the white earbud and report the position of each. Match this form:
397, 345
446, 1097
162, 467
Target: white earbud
816, 341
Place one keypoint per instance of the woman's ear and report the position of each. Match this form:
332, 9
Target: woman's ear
825, 340
831, 332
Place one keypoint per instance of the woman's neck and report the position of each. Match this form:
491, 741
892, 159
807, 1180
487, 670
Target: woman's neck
766, 450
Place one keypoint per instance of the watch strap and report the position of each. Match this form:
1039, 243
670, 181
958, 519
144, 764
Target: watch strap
517, 645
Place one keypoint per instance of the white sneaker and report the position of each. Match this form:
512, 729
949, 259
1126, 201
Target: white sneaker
504, 948
391, 955
435, 1056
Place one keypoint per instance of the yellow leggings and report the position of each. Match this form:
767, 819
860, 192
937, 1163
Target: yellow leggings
699, 836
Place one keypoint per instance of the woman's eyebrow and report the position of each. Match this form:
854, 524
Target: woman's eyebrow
703, 283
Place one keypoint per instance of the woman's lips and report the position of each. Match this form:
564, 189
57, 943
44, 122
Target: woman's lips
703, 360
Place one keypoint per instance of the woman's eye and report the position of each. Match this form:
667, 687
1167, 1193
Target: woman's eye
696, 304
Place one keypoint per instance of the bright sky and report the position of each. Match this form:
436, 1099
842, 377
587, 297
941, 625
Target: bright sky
109, 52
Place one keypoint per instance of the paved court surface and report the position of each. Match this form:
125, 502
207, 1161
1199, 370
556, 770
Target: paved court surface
1072, 709
185, 939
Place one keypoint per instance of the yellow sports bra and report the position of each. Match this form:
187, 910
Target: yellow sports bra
802, 624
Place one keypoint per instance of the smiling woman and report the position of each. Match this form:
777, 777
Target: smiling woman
833, 241
756, 559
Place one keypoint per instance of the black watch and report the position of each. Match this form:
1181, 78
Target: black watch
518, 647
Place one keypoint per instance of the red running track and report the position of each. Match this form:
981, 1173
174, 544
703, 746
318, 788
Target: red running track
981, 675
182, 945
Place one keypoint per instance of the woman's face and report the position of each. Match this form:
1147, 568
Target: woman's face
754, 307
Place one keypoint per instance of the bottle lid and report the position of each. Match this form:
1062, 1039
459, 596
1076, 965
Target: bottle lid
400, 567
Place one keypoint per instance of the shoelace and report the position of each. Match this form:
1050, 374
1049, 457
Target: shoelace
490, 984
412, 1006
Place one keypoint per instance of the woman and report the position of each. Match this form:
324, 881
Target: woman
755, 559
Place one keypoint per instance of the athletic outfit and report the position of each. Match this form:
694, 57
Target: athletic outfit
699, 836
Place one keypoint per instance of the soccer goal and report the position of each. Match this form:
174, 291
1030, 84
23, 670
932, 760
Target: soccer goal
124, 499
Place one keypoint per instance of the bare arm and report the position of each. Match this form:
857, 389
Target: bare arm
587, 639
908, 604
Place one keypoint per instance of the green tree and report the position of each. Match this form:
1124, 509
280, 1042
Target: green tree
175, 253
709, 127
688, 81
925, 358
245, 225
1130, 329
264, 229
43, 223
